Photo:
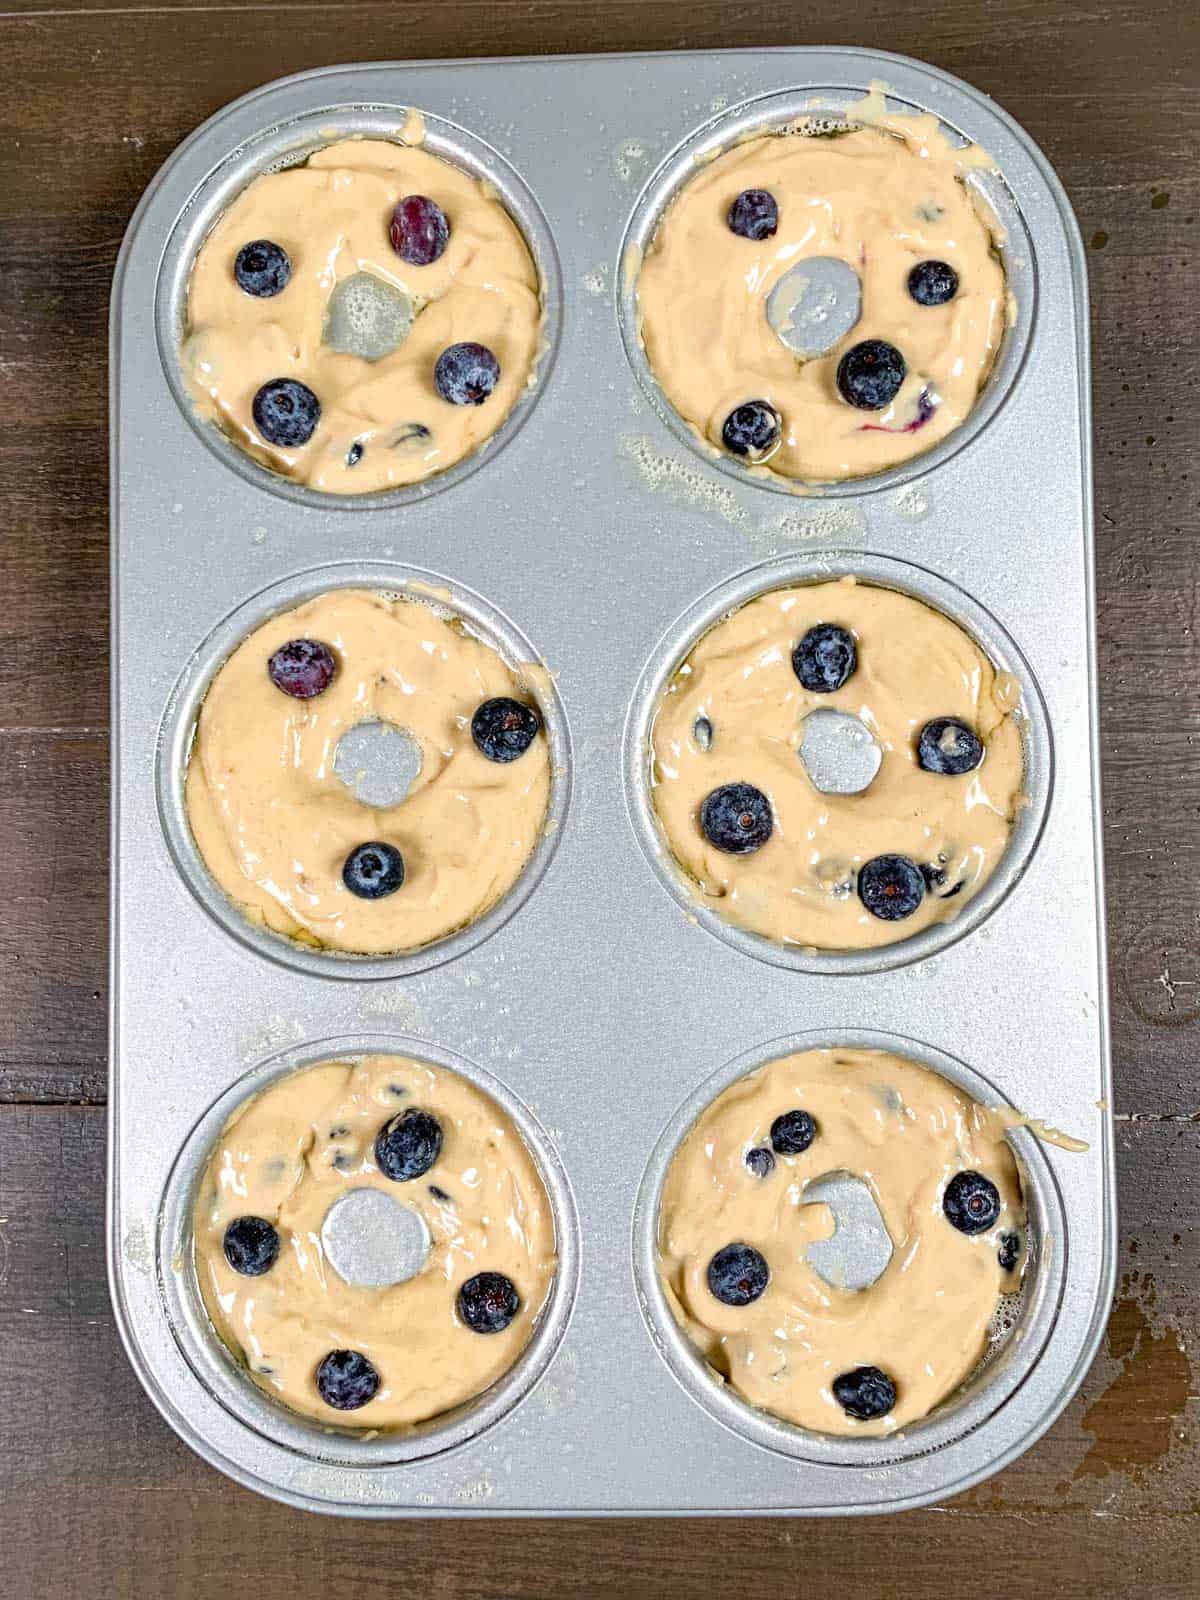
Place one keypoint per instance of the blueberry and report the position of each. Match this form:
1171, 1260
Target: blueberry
752, 429
949, 747
971, 1202
488, 1302
408, 1145
503, 729
825, 658
869, 375
760, 1161
891, 887
754, 215
373, 870
346, 1380
466, 374
792, 1133
737, 1275
251, 1246
303, 668
934, 873
286, 412
418, 230
932, 283
736, 818
262, 269
1009, 1252
355, 453
865, 1393
439, 1194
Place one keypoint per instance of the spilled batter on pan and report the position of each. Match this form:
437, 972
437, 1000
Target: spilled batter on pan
737, 1239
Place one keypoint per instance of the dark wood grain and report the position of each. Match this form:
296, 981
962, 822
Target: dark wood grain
97, 1498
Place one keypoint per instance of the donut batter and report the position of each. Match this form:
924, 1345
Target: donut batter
879, 198
289, 1154
275, 824
383, 423
924, 1322
913, 665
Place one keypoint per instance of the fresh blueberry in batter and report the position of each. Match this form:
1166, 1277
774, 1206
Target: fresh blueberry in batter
373, 870
251, 1246
754, 214
737, 1275
488, 1302
418, 230
262, 269
355, 453
825, 658
933, 283
346, 1380
752, 429
466, 374
949, 747
971, 1202
760, 1161
792, 1133
286, 412
303, 668
1009, 1252
503, 729
891, 887
408, 1145
869, 375
736, 818
865, 1393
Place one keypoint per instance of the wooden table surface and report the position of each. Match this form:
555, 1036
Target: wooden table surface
97, 1496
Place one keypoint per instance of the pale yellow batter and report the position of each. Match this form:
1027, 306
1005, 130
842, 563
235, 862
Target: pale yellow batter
275, 824
914, 665
879, 198
906, 1132
331, 216
306, 1140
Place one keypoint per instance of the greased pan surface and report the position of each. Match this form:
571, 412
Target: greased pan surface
596, 1004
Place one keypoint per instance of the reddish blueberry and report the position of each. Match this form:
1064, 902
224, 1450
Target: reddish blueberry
418, 230
303, 668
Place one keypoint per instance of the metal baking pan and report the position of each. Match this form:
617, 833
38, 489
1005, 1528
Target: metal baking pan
594, 535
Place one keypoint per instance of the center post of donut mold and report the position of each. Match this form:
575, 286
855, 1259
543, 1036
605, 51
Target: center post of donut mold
814, 304
857, 1253
378, 762
838, 752
373, 1241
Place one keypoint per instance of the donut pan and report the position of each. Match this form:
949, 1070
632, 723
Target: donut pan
599, 1002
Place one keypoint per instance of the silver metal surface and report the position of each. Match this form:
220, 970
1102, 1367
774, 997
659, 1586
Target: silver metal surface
859, 1249
372, 1240
838, 752
378, 761
596, 1002
815, 304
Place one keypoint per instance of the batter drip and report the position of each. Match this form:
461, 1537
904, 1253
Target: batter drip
288, 1155
735, 713
274, 823
924, 1323
382, 422
880, 198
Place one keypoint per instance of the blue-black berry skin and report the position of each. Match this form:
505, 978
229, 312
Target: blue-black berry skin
408, 1145
891, 887
504, 729
948, 747
736, 818
419, 230
971, 1202
373, 870
865, 1393
792, 1133
302, 668
1009, 1251
933, 283
286, 413
262, 269
869, 375
752, 430
251, 1246
825, 659
753, 214
466, 374
488, 1302
738, 1274
760, 1161
346, 1380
